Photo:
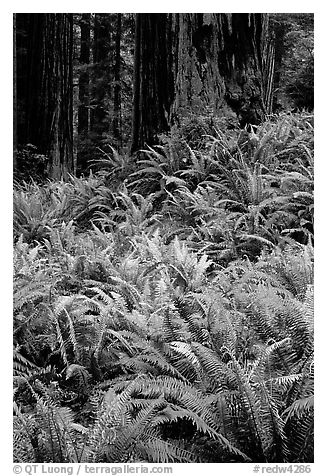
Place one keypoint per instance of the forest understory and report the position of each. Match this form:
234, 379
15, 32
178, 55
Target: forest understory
163, 307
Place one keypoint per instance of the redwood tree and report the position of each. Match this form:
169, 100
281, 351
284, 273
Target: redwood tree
212, 62
14, 94
117, 84
220, 64
101, 74
83, 90
45, 87
151, 79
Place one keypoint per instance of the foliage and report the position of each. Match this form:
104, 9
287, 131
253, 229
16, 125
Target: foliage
169, 318
30, 164
100, 98
296, 68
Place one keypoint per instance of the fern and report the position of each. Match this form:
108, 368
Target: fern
170, 318
53, 437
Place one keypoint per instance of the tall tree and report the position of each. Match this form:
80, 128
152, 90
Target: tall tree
101, 77
279, 31
83, 89
211, 62
268, 75
117, 84
151, 79
45, 88
220, 64
15, 94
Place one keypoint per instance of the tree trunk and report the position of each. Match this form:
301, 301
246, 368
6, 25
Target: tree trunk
279, 33
59, 76
101, 73
188, 86
14, 96
213, 63
220, 65
83, 92
151, 79
117, 86
268, 76
136, 85
47, 94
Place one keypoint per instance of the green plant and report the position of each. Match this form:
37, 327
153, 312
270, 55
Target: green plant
173, 326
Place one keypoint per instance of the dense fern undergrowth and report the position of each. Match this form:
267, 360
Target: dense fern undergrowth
163, 309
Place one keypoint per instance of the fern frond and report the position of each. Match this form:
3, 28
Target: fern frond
299, 406
155, 449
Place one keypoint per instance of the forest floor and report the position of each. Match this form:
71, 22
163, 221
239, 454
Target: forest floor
163, 309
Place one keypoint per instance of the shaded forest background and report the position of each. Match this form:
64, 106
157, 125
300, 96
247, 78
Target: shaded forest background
88, 82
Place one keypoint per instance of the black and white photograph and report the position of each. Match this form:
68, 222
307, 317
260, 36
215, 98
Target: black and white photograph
163, 240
